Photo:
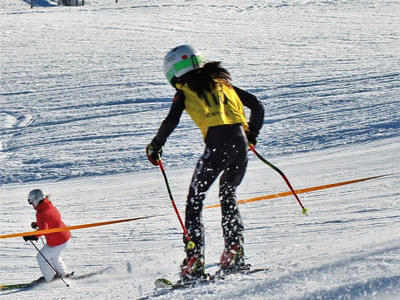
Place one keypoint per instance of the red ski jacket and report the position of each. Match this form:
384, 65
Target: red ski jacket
47, 217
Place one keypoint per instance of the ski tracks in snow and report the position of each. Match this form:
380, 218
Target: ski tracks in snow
322, 282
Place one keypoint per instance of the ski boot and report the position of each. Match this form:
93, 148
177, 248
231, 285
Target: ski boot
232, 260
192, 269
38, 281
69, 275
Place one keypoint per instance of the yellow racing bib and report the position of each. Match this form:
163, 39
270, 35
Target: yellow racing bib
222, 106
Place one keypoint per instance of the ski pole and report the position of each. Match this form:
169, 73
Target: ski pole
34, 226
57, 274
190, 244
41, 238
303, 209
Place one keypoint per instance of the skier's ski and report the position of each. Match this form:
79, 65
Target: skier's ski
29, 285
164, 283
165, 286
247, 270
83, 276
7, 287
20, 286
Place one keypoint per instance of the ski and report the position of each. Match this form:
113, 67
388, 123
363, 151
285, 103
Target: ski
29, 285
7, 287
249, 270
164, 286
87, 275
164, 283
19, 286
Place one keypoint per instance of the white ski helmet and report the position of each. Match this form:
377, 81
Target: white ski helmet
35, 196
180, 60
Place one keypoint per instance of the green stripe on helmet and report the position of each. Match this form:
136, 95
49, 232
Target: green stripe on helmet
194, 61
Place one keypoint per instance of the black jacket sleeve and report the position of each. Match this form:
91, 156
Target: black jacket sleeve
171, 121
256, 119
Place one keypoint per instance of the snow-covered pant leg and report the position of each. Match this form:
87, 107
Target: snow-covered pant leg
231, 159
205, 173
53, 255
232, 176
232, 225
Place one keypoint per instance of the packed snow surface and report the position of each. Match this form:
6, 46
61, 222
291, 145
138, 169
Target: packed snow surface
82, 93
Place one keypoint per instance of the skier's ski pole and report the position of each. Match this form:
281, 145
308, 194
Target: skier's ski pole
303, 209
57, 274
34, 226
41, 238
190, 244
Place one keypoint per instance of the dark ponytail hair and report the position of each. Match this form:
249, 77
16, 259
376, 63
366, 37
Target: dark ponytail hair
202, 80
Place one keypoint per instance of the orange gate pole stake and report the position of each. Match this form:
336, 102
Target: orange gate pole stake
74, 227
301, 191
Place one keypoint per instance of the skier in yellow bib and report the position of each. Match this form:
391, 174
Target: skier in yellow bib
205, 91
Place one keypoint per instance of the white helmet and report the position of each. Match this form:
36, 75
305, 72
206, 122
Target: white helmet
35, 196
181, 60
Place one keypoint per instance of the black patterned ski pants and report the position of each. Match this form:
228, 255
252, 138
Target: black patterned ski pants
229, 159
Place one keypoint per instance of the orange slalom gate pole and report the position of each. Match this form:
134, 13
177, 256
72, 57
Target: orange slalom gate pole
67, 228
301, 191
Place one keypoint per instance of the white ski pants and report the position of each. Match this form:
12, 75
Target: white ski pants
52, 254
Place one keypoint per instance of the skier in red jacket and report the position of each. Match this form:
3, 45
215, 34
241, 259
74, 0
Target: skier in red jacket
47, 217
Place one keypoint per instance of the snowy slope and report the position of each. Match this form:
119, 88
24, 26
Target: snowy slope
82, 93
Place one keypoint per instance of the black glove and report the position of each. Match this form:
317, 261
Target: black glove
154, 153
251, 135
34, 225
30, 238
